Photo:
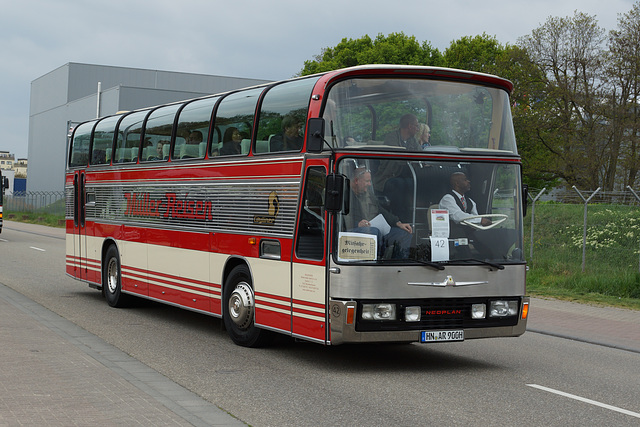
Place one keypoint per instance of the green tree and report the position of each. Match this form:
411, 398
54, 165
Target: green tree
396, 48
567, 112
528, 102
623, 96
479, 53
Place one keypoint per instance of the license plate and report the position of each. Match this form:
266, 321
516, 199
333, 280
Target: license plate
437, 336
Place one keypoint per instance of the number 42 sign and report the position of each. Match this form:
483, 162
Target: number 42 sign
439, 235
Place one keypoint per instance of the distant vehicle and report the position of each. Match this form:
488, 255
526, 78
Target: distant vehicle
4, 183
238, 205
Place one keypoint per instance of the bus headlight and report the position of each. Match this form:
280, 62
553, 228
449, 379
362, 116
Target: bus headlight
478, 311
382, 311
503, 308
412, 314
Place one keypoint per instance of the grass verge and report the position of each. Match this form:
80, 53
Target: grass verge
48, 219
611, 256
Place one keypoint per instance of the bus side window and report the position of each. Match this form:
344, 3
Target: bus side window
193, 121
79, 155
129, 131
310, 241
283, 116
157, 132
103, 140
234, 118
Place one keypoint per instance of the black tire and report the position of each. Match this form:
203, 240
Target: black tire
111, 282
238, 310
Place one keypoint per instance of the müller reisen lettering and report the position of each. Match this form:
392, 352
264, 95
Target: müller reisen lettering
170, 206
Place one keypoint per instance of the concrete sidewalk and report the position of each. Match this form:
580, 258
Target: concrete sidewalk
608, 326
55, 373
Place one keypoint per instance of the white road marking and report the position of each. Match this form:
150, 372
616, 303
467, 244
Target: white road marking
37, 249
3, 240
589, 401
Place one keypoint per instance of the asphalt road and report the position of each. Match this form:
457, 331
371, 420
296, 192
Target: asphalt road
485, 382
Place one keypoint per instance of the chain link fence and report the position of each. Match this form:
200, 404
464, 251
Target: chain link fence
566, 230
51, 202
571, 231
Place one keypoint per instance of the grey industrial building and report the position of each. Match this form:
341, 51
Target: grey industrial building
75, 92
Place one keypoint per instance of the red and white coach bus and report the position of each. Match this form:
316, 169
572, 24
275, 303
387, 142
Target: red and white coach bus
313, 207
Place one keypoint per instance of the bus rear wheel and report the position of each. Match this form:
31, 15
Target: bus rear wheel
239, 310
111, 282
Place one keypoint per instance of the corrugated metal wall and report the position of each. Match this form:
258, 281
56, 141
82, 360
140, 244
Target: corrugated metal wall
69, 94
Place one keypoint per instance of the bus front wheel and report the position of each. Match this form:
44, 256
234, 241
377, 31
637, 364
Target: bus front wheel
111, 282
239, 310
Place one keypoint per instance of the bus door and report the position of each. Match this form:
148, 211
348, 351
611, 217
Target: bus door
309, 290
79, 225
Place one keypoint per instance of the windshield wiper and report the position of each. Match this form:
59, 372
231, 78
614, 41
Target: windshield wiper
436, 265
479, 261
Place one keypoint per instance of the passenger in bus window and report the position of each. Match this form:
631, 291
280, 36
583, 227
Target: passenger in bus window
424, 134
158, 155
195, 137
290, 138
405, 135
159, 150
231, 142
393, 178
364, 207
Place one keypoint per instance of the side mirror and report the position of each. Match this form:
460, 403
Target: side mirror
315, 135
5, 182
525, 199
335, 192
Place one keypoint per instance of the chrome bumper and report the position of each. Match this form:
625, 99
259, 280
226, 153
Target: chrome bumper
343, 332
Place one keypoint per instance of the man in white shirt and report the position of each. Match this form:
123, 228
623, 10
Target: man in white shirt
459, 206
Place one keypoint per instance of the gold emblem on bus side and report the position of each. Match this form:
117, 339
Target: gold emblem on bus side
273, 208
274, 204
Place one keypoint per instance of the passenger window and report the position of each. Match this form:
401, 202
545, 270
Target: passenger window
128, 140
283, 117
79, 155
234, 121
310, 241
157, 132
103, 140
193, 129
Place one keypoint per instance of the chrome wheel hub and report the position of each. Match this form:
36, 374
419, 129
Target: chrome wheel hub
112, 276
241, 305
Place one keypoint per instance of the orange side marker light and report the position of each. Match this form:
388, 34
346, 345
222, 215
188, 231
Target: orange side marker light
351, 313
525, 310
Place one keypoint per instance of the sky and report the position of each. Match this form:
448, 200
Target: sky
240, 38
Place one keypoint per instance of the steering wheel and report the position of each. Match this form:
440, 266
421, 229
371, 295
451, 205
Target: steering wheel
478, 226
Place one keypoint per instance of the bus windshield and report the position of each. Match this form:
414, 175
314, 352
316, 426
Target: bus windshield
434, 211
418, 115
